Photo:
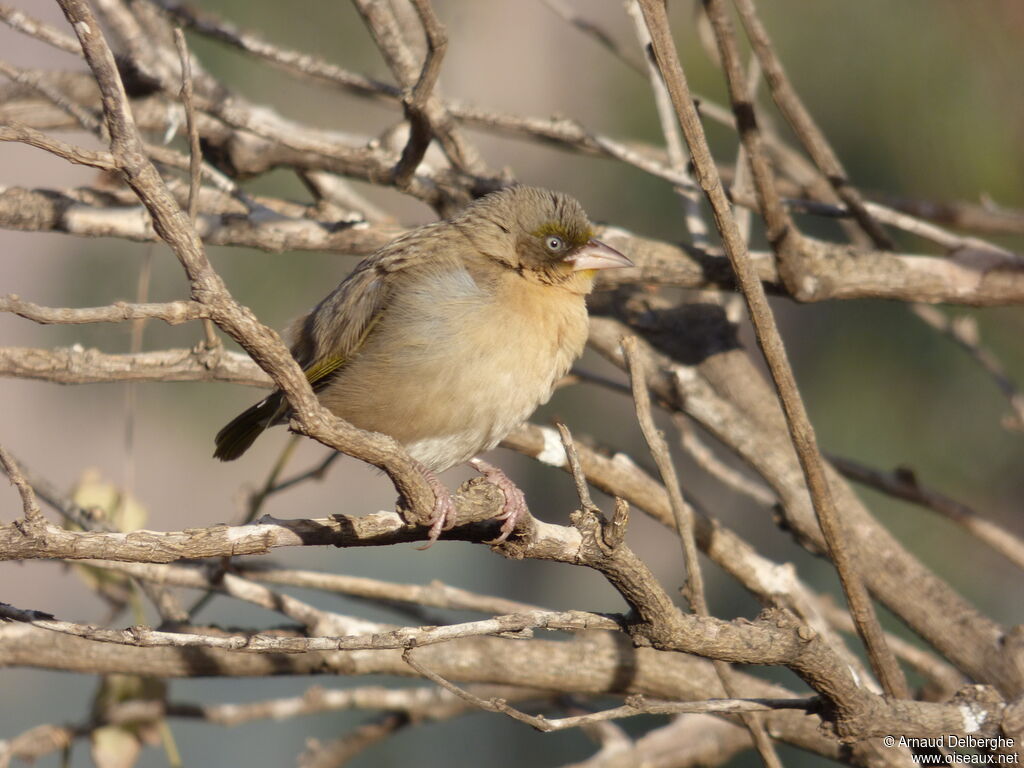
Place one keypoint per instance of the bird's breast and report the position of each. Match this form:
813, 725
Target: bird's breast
454, 365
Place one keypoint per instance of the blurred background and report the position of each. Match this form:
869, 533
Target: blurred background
923, 98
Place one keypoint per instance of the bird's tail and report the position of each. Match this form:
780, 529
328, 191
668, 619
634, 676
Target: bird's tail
241, 432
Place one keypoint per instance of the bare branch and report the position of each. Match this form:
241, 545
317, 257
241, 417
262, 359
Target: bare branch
77, 365
41, 85
750, 420
686, 355
416, 103
801, 121
801, 431
404, 637
684, 517
172, 313
964, 331
39, 30
339, 751
705, 457
262, 344
674, 145
33, 516
384, 27
434, 595
71, 153
903, 484
595, 32
635, 706
80, 212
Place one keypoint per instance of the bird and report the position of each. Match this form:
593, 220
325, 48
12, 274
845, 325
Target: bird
450, 336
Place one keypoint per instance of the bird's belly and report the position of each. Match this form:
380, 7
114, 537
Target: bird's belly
449, 390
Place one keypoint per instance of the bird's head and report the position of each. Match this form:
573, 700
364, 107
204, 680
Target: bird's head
545, 236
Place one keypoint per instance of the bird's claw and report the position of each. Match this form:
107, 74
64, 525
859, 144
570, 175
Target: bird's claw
443, 516
514, 508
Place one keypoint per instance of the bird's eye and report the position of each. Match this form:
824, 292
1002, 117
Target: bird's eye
554, 243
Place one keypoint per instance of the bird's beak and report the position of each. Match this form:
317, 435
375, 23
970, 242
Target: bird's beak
597, 255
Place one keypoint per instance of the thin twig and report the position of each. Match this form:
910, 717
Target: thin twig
14, 131
296, 62
802, 122
171, 312
779, 227
82, 116
338, 752
706, 459
682, 512
420, 130
261, 642
316, 473
33, 515
195, 156
195, 153
595, 32
60, 502
613, 532
742, 183
315, 620
384, 27
964, 331
801, 431
432, 595
142, 285
903, 484
39, 30
684, 516
674, 145
309, 416
572, 460
636, 705
986, 216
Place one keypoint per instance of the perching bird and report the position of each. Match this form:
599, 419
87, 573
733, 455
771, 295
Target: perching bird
451, 335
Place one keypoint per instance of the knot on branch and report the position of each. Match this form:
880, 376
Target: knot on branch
208, 355
592, 524
811, 273
477, 501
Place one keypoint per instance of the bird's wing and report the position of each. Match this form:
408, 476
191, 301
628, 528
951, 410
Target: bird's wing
331, 334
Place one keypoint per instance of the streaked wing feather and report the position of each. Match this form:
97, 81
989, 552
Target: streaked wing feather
337, 327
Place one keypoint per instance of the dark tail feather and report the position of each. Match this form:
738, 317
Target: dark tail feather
241, 432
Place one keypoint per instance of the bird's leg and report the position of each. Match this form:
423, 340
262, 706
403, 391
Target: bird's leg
515, 502
443, 516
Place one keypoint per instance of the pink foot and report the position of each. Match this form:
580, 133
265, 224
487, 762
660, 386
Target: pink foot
515, 501
443, 516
